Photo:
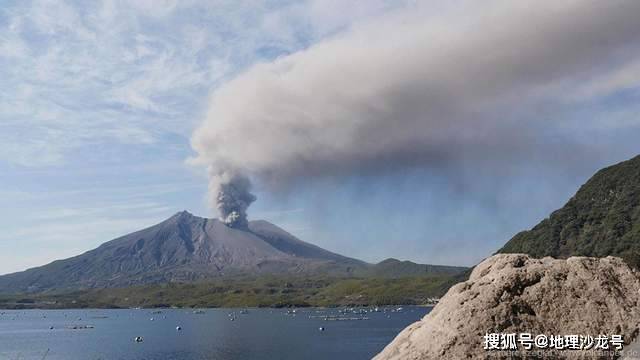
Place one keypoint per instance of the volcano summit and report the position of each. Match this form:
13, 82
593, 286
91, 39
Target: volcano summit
186, 248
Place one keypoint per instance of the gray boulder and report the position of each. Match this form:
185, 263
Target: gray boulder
514, 293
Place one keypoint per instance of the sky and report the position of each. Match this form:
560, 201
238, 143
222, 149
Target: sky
431, 131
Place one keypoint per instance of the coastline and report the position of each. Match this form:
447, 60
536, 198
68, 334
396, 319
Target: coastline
215, 307
272, 292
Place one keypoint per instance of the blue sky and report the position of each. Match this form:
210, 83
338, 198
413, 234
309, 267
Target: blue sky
100, 102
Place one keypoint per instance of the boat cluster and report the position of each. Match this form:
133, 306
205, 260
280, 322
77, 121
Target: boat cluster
79, 327
353, 313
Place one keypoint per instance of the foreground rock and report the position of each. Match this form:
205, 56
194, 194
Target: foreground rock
514, 293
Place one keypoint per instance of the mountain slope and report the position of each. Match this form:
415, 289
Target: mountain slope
289, 244
601, 219
394, 268
182, 248
186, 248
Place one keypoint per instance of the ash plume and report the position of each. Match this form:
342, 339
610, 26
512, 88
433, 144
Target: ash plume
231, 195
477, 82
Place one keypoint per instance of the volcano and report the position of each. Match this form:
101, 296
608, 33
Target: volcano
187, 248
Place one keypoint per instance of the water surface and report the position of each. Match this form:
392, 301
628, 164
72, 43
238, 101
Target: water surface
207, 334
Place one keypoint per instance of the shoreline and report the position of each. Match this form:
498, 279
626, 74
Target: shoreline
213, 308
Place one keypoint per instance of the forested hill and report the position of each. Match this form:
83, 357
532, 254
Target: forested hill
601, 219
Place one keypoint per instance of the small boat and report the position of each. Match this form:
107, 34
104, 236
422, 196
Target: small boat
80, 327
138, 339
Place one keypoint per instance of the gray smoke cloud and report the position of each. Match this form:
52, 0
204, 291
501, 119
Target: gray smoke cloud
420, 87
231, 194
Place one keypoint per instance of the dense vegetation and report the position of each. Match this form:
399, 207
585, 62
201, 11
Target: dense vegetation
602, 219
247, 292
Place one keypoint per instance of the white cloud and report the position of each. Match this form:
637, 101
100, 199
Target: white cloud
75, 73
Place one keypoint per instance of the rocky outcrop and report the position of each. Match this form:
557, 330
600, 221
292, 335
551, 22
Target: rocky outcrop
514, 293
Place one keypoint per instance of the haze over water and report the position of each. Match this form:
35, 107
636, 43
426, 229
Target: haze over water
258, 334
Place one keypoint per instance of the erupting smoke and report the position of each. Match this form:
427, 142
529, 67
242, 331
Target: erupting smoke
436, 92
231, 194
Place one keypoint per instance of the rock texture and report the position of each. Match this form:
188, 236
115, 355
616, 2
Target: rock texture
514, 293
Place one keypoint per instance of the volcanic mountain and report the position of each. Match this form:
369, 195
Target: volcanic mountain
187, 248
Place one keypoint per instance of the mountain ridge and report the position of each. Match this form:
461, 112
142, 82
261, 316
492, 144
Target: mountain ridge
188, 248
601, 219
